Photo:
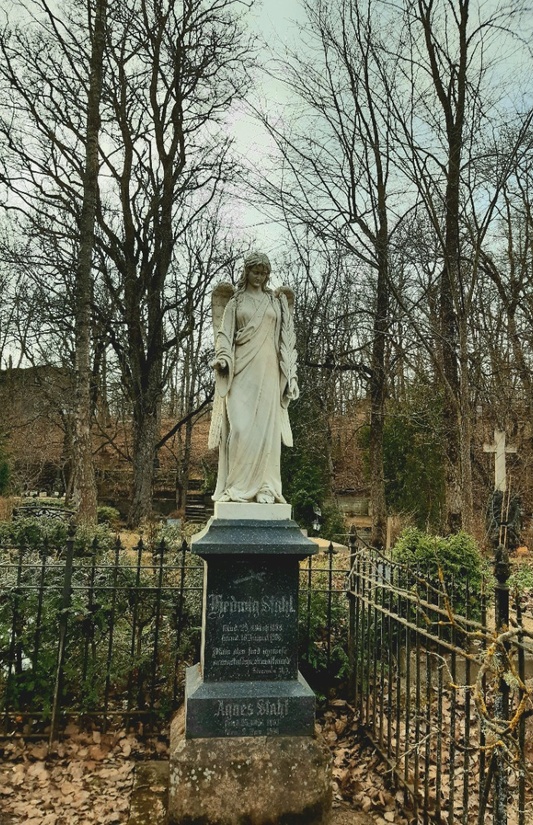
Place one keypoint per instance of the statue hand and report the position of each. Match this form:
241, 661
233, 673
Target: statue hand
292, 392
220, 365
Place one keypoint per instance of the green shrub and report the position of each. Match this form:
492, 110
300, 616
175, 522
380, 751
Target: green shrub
36, 533
413, 456
521, 580
108, 515
456, 558
4, 475
334, 526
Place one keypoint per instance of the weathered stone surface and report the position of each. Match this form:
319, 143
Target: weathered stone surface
149, 797
275, 708
250, 619
248, 781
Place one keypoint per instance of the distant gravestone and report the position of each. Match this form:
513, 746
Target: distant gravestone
504, 513
500, 449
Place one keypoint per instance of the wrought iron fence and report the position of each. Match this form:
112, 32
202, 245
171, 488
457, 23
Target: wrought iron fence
442, 697
108, 633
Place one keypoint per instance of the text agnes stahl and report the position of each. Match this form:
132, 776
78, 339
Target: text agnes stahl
261, 707
219, 606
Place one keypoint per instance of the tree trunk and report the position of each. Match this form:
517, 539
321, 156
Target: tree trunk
145, 437
378, 382
465, 430
84, 482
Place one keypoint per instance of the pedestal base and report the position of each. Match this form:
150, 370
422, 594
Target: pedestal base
216, 709
257, 781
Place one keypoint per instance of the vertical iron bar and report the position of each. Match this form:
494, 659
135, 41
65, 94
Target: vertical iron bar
453, 720
482, 734
352, 637
40, 599
180, 617
468, 699
89, 622
428, 719
13, 644
134, 621
399, 653
63, 628
501, 700
428, 733
155, 655
522, 722
382, 648
418, 698
391, 627
407, 728
366, 635
370, 638
330, 597
112, 611
356, 583
375, 585
440, 691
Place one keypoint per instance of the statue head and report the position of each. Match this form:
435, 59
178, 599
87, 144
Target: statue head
251, 260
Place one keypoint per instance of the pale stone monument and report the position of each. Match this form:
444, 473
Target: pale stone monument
255, 367
500, 449
246, 751
504, 515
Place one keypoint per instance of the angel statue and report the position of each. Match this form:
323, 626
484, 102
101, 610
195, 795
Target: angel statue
255, 379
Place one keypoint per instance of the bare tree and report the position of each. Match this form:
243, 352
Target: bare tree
170, 73
337, 166
445, 121
84, 482
24, 99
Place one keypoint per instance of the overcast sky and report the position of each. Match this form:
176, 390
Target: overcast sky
275, 22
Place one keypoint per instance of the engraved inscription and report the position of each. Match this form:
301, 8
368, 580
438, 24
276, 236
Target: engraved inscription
252, 718
256, 646
251, 622
219, 606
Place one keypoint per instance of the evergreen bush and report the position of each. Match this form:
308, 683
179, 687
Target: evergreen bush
454, 560
108, 515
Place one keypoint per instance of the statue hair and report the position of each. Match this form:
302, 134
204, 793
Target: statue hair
253, 259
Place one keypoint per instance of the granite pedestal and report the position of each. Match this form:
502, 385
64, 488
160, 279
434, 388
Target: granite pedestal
247, 707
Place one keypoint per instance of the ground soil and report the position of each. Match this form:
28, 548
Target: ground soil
87, 777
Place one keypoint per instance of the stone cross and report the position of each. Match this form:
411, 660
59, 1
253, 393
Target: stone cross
499, 449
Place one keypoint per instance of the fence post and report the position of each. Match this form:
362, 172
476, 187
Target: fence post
14, 645
502, 572
63, 627
352, 541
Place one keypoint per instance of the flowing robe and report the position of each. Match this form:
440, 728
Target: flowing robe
250, 415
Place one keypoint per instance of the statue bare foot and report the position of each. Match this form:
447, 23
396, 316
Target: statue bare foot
264, 497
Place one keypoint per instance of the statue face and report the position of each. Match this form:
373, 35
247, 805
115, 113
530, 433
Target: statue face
257, 275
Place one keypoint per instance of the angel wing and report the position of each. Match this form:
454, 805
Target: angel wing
289, 294
219, 298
